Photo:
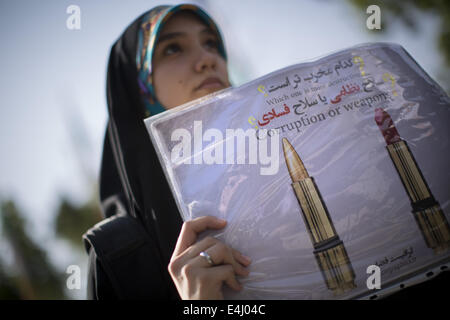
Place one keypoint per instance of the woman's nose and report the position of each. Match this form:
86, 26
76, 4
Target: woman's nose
205, 60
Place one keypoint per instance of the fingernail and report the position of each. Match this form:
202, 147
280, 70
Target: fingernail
246, 259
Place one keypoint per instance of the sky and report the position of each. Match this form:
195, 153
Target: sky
53, 103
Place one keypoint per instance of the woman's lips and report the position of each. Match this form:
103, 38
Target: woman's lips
210, 83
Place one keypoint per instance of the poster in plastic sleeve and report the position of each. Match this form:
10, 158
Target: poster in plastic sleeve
332, 174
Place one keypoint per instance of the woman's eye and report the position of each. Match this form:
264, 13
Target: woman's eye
212, 44
171, 49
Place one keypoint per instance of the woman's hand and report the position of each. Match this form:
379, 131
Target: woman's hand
194, 276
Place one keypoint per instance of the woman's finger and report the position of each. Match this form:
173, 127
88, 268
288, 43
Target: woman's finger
225, 273
221, 254
202, 245
208, 242
242, 259
191, 229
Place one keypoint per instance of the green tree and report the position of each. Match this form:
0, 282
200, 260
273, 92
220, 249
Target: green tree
404, 11
33, 277
73, 220
8, 289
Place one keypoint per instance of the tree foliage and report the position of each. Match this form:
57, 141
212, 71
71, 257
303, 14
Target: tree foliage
33, 276
74, 220
404, 11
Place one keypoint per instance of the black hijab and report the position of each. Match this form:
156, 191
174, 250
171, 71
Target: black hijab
132, 180
131, 177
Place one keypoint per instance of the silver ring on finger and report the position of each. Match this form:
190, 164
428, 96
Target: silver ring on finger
207, 257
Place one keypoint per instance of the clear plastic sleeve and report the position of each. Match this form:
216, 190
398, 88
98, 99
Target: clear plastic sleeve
332, 174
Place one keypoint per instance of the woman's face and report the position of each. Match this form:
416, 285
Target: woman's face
186, 61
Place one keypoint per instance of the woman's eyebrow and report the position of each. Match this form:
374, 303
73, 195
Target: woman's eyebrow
171, 35
209, 31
